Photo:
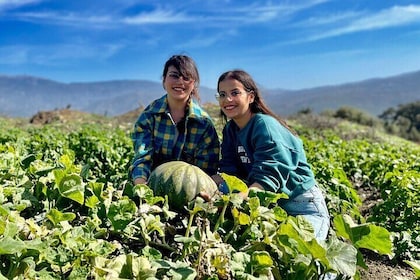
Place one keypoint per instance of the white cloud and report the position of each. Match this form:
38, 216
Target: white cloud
6, 5
257, 12
17, 3
68, 19
56, 54
13, 55
392, 17
110, 16
157, 16
395, 16
329, 19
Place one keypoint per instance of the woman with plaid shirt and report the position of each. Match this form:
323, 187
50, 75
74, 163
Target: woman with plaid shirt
175, 127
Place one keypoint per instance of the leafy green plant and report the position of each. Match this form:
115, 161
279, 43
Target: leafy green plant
67, 211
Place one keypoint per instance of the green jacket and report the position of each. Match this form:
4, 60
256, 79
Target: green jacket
157, 139
266, 152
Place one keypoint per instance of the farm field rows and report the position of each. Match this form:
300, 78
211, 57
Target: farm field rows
68, 211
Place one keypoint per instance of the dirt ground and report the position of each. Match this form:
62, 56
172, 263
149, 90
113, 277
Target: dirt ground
380, 267
382, 270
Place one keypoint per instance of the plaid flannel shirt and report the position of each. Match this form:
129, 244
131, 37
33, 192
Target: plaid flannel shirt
155, 142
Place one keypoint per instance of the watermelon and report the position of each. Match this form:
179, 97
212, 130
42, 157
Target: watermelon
181, 182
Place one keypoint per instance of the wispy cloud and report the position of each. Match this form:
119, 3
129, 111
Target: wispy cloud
329, 19
13, 4
67, 19
395, 16
258, 13
13, 55
253, 13
55, 54
392, 17
158, 16
109, 20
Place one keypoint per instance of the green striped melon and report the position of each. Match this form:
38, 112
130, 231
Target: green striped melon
181, 182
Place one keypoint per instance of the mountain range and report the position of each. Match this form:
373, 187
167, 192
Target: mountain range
24, 96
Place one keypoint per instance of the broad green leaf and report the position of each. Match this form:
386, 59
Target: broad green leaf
91, 201
182, 273
26, 161
72, 187
343, 224
56, 216
261, 259
142, 191
9, 246
41, 168
342, 256
366, 236
96, 188
372, 237
121, 213
416, 267
143, 268
240, 262
234, 183
244, 219
267, 198
11, 229
79, 272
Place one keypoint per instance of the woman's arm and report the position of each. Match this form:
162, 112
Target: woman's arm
228, 162
208, 150
273, 159
143, 149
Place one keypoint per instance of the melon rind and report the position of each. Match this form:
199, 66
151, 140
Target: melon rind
181, 182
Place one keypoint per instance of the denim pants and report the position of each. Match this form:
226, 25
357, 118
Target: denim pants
310, 204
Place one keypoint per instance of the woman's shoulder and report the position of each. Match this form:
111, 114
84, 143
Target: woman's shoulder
266, 119
197, 112
157, 105
264, 122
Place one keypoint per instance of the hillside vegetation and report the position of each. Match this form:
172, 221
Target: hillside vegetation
24, 96
68, 210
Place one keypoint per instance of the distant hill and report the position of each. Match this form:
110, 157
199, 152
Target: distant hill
24, 96
373, 96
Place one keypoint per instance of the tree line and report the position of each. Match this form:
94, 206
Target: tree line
402, 121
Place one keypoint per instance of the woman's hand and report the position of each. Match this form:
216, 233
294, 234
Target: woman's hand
139, 181
217, 179
254, 185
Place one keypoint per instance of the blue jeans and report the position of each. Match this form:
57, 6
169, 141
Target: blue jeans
310, 204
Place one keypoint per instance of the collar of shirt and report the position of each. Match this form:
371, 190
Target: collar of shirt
193, 110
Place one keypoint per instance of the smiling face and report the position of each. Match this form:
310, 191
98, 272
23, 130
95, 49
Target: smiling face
235, 101
178, 87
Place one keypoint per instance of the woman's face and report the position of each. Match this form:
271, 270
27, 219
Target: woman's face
234, 101
177, 86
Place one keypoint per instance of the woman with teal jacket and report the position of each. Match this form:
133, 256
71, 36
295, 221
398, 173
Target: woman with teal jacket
264, 152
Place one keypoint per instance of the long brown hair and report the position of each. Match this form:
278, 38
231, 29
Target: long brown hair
186, 66
258, 106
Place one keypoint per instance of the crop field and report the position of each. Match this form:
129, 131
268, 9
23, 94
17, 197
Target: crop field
69, 211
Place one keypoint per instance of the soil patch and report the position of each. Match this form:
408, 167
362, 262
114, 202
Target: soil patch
62, 115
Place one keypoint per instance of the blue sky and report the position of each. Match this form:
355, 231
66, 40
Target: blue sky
283, 44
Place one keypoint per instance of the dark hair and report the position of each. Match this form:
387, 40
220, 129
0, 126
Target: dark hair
187, 68
258, 106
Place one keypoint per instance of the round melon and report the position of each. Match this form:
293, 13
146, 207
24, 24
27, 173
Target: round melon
181, 182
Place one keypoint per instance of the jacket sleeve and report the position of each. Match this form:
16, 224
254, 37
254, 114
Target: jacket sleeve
274, 161
208, 150
143, 150
228, 151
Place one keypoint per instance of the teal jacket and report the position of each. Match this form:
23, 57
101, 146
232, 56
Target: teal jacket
156, 139
266, 152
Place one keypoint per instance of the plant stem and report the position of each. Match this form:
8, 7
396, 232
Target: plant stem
221, 218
